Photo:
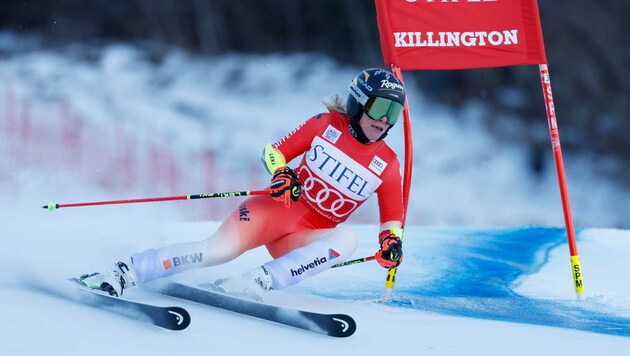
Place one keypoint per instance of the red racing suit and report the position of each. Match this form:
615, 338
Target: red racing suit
338, 173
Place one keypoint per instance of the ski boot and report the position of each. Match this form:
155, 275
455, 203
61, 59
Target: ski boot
113, 280
250, 285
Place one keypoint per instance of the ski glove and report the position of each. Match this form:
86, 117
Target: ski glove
390, 255
285, 186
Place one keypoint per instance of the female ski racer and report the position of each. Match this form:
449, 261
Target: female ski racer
345, 161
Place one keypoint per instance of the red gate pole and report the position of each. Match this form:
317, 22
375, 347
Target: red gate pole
391, 274
564, 192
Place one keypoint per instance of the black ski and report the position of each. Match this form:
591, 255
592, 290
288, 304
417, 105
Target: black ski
336, 325
171, 318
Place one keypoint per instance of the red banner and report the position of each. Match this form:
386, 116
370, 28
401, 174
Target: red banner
459, 34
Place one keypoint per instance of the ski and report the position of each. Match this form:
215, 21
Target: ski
336, 325
170, 318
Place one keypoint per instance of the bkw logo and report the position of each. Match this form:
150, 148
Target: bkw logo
182, 260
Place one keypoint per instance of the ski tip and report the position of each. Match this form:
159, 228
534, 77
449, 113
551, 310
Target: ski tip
76, 281
342, 325
180, 318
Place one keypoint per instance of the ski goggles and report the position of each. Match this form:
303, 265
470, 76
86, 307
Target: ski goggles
377, 107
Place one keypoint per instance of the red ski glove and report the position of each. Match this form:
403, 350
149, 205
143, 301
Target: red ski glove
285, 186
390, 255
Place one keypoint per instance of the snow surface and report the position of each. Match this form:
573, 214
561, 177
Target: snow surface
486, 268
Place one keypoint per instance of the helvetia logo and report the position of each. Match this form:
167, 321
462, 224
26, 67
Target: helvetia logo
303, 268
332, 254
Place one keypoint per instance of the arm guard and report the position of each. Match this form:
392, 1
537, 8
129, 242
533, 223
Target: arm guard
272, 159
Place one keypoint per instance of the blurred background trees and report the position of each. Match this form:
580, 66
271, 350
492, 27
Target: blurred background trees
586, 42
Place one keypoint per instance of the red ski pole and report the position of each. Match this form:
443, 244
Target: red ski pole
54, 206
352, 262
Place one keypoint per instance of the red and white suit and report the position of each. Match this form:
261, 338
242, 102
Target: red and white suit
338, 174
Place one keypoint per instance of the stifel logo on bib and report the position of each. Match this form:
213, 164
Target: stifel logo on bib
334, 183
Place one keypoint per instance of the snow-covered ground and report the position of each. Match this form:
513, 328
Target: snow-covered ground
478, 292
486, 268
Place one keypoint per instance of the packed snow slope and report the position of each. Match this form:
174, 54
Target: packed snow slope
486, 269
474, 291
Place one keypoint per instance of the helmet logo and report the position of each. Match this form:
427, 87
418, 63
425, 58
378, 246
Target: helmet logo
366, 85
357, 93
389, 85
